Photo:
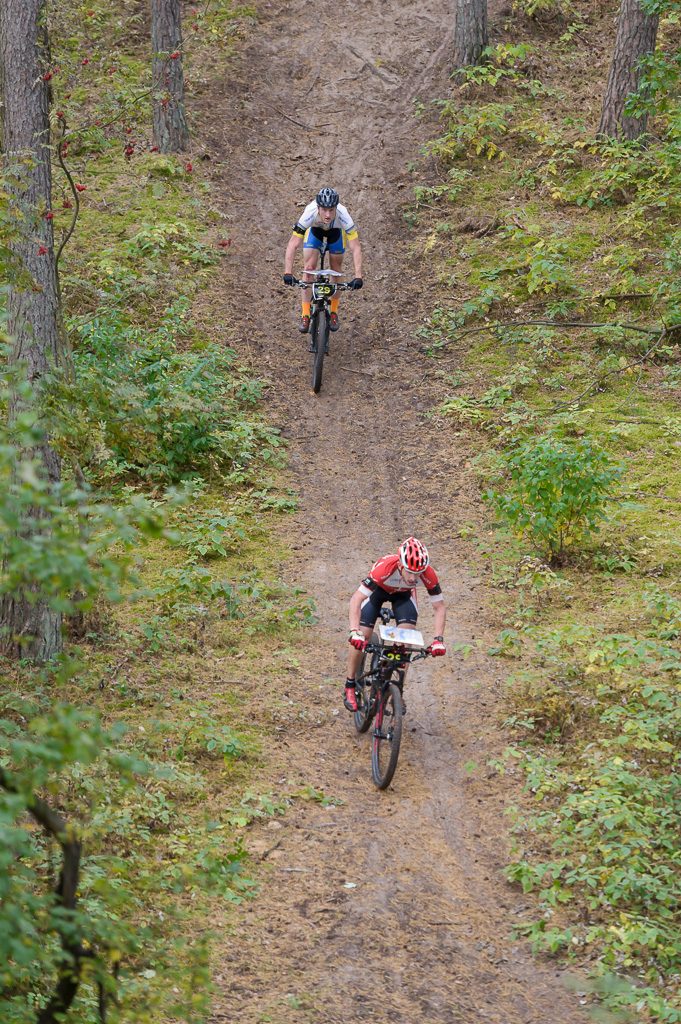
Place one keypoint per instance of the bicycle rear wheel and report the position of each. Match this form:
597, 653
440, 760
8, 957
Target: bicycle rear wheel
320, 340
365, 711
385, 747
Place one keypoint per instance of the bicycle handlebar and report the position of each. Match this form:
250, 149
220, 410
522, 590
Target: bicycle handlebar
341, 287
377, 648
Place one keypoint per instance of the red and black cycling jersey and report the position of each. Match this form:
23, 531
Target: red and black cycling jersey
385, 575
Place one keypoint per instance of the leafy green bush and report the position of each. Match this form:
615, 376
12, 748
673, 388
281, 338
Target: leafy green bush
456, 183
202, 733
136, 864
610, 813
539, 261
502, 63
558, 491
138, 405
211, 533
471, 131
58, 543
534, 7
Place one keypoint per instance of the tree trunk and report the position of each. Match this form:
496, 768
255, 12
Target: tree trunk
171, 134
636, 38
470, 31
30, 626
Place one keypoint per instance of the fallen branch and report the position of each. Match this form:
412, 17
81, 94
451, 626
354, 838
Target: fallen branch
307, 127
625, 295
654, 331
384, 76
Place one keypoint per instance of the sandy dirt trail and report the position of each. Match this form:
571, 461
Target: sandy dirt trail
424, 934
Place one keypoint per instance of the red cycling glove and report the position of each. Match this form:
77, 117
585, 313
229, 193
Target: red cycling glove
437, 648
357, 640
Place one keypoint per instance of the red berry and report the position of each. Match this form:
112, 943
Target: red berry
60, 115
49, 215
85, 60
47, 76
42, 250
174, 56
80, 188
67, 204
188, 167
225, 243
154, 149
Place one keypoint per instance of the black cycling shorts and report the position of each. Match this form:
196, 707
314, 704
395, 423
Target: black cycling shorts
403, 606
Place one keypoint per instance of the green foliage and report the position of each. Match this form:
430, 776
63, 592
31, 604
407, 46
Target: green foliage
541, 263
204, 734
558, 492
509, 645
664, 610
625, 824
537, 7
138, 405
613, 813
502, 63
580, 229
119, 806
454, 185
209, 533
58, 543
471, 131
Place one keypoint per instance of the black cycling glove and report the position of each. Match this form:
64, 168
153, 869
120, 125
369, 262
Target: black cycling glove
289, 279
356, 283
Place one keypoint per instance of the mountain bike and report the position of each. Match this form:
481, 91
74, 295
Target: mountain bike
378, 689
323, 290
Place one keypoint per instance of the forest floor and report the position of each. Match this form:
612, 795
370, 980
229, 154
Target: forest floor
383, 906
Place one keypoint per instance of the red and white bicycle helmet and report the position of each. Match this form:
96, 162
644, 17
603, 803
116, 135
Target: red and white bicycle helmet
414, 555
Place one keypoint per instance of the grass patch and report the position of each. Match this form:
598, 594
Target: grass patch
546, 223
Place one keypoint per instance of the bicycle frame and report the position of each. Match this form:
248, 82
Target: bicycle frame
323, 289
391, 667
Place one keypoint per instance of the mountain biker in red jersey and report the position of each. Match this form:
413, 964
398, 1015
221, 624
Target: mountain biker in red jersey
393, 578
325, 219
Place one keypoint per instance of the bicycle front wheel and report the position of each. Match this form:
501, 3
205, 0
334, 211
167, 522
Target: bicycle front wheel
385, 747
320, 340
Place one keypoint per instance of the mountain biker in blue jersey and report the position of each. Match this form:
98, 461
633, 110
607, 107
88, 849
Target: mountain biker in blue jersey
324, 220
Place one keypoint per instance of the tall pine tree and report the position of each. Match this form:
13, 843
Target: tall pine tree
171, 134
30, 627
636, 38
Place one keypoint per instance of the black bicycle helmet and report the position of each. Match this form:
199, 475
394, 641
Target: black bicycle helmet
327, 198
